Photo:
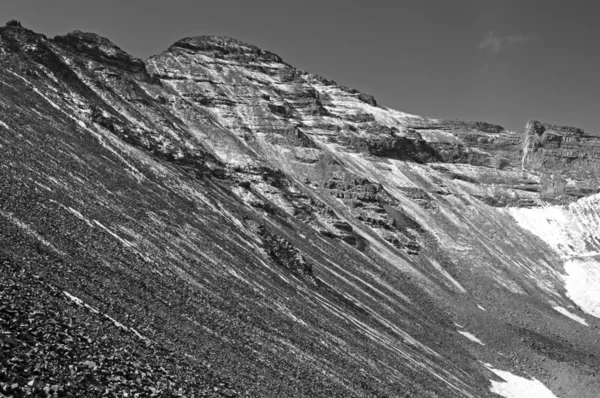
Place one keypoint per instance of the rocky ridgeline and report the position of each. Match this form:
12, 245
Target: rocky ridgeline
101, 50
268, 232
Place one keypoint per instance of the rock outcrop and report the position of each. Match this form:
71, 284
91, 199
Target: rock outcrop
215, 222
566, 157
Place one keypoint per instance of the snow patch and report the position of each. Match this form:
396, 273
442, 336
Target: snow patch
118, 324
573, 231
30, 231
79, 215
76, 300
117, 237
80, 302
569, 314
582, 281
471, 337
518, 387
47, 99
448, 276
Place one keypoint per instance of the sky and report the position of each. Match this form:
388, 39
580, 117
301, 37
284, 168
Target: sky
499, 61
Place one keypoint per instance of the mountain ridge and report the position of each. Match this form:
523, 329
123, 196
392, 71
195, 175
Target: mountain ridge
300, 239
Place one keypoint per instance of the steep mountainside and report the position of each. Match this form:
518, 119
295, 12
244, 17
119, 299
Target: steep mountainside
215, 222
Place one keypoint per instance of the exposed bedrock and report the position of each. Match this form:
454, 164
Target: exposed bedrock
567, 159
219, 209
102, 50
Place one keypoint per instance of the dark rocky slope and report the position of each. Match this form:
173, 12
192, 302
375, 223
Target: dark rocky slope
213, 221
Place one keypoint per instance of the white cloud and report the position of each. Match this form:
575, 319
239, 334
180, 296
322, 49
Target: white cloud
496, 44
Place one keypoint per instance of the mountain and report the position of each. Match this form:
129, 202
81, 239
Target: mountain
215, 222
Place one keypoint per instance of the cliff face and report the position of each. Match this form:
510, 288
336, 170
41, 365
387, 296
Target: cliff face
274, 232
568, 159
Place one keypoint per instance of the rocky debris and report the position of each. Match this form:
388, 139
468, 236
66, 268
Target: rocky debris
53, 345
118, 216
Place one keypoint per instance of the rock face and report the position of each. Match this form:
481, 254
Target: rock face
215, 222
101, 50
566, 157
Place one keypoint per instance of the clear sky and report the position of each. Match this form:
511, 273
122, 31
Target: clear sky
500, 61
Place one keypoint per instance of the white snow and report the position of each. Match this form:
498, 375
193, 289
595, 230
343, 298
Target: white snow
80, 302
47, 99
138, 334
73, 298
518, 387
573, 231
569, 314
448, 276
471, 337
582, 281
79, 215
118, 324
30, 231
117, 237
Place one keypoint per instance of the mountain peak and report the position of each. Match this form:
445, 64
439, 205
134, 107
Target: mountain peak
14, 24
101, 49
226, 47
14, 38
217, 222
